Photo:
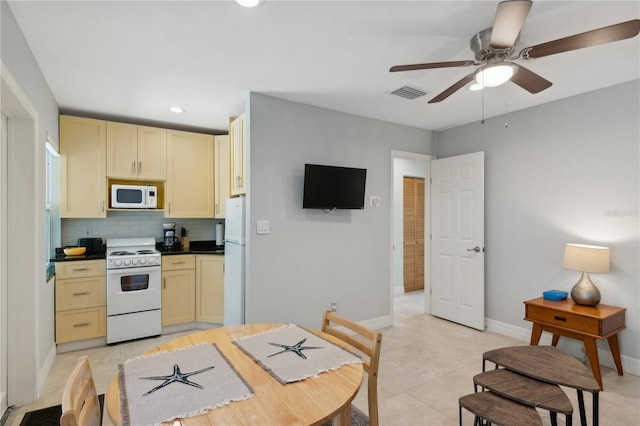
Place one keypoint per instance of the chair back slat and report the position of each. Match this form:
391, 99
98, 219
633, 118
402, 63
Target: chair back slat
364, 341
80, 404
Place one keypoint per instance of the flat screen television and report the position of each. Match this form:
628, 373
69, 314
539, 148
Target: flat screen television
333, 187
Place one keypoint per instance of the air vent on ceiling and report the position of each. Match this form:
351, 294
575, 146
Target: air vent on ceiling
408, 92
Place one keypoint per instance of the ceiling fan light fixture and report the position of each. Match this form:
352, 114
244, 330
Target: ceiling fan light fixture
475, 87
248, 3
494, 75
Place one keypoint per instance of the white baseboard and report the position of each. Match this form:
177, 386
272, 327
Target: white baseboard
378, 323
629, 365
46, 369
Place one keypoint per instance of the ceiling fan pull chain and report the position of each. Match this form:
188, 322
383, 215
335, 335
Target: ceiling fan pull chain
482, 98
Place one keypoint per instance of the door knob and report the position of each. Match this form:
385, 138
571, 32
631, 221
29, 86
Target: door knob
476, 249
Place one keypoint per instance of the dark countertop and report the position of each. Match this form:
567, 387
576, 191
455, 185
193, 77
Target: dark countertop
64, 258
195, 247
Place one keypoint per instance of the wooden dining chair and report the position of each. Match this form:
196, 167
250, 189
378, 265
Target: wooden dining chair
367, 344
80, 405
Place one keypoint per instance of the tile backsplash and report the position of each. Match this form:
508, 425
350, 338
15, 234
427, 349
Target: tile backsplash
134, 224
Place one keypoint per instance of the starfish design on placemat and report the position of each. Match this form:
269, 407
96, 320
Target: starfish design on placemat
177, 377
296, 349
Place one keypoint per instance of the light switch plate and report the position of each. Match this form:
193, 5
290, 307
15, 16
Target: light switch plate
262, 227
374, 201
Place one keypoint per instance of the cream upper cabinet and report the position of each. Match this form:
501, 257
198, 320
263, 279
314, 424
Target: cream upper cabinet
136, 152
82, 167
209, 288
221, 182
190, 174
238, 159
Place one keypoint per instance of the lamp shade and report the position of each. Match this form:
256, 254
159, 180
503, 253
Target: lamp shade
586, 258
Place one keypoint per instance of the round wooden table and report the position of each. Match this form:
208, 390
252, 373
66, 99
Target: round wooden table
312, 401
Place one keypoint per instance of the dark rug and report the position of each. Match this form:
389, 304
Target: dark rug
358, 418
49, 416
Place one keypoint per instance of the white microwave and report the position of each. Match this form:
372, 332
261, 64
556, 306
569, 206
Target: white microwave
134, 196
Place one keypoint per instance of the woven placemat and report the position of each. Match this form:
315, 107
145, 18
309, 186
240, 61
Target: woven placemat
182, 383
291, 353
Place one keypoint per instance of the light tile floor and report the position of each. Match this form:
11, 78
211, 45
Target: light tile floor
426, 365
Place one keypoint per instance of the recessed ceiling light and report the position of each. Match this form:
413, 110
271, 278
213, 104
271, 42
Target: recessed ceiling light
249, 3
176, 109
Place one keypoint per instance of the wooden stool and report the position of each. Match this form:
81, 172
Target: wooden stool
495, 409
527, 391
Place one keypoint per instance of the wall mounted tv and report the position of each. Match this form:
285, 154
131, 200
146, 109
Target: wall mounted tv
332, 187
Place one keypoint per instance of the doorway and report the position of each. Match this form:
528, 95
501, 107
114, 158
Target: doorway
413, 209
417, 166
3, 274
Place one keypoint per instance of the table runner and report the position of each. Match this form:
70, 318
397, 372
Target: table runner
181, 383
291, 353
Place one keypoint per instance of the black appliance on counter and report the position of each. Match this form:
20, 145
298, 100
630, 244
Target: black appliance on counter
93, 245
170, 241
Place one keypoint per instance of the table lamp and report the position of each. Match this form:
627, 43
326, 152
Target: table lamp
586, 259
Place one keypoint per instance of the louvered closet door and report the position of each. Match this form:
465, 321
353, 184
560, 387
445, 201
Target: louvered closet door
413, 233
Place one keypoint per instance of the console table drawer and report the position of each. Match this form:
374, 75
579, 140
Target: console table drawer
564, 319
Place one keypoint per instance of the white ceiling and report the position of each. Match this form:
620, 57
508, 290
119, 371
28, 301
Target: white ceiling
134, 59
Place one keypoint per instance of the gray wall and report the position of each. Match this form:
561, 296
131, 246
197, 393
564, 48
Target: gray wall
36, 334
567, 171
311, 258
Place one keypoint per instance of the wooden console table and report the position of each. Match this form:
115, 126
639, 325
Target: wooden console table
586, 323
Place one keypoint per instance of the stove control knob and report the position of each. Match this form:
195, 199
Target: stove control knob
118, 262
143, 261
134, 262
127, 262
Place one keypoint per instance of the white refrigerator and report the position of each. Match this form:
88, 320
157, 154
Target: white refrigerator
234, 259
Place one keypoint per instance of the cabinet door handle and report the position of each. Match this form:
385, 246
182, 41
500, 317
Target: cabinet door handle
82, 293
80, 269
139, 167
164, 283
82, 324
557, 318
169, 207
133, 168
179, 262
101, 208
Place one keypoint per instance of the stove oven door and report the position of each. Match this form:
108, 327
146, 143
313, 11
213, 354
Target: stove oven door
133, 290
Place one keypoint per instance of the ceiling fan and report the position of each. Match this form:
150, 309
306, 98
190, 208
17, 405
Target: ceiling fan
494, 46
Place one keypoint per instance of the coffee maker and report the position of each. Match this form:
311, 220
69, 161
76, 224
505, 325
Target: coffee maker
169, 240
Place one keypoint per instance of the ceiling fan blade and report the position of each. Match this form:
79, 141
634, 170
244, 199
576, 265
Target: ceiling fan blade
454, 88
508, 22
431, 65
530, 81
621, 31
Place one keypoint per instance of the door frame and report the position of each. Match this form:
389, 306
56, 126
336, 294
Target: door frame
22, 278
403, 155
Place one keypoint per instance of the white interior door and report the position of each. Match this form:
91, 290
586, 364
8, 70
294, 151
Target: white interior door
457, 244
3, 274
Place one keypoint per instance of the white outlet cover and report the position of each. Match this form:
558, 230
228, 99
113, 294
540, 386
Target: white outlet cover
374, 201
262, 227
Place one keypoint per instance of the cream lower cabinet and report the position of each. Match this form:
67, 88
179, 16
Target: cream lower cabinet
82, 167
178, 289
81, 300
209, 288
222, 184
190, 165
